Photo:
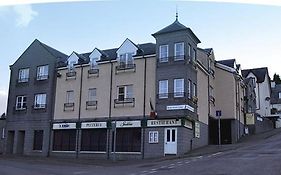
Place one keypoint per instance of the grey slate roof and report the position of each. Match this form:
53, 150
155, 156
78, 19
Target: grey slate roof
176, 26
59, 55
260, 73
229, 62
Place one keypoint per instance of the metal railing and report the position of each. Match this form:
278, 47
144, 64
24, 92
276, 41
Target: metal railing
68, 106
124, 101
91, 104
125, 66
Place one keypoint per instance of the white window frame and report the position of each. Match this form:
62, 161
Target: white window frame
92, 94
3, 133
128, 92
71, 66
20, 100
163, 91
163, 57
189, 50
126, 58
153, 137
69, 96
23, 75
93, 63
279, 95
194, 87
189, 88
194, 54
179, 54
42, 72
179, 90
40, 101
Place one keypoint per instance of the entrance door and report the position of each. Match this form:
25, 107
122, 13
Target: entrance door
20, 143
170, 141
10, 142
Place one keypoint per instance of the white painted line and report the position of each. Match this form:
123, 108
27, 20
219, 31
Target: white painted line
172, 164
153, 169
187, 162
170, 167
152, 172
180, 164
163, 167
199, 157
218, 153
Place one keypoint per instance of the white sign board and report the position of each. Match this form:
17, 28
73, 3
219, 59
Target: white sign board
168, 122
188, 124
89, 125
128, 124
197, 129
64, 126
179, 107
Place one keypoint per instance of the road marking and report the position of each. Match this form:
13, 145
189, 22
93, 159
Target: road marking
180, 164
80, 172
170, 167
187, 162
215, 154
199, 157
163, 167
153, 169
172, 164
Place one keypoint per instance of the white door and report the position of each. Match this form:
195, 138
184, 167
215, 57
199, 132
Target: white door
170, 141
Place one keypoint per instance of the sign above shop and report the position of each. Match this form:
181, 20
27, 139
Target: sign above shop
167, 122
89, 125
128, 124
188, 124
179, 107
64, 126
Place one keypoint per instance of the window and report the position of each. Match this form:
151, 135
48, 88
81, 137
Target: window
194, 55
93, 63
279, 95
153, 137
40, 101
38, 140
3, 133
71, 66
178, 87
93, 140
42, 72
128, 140
189, 88
126, 59
189, 50
163, 53
92, 94
23, 75
194, 90
179, 51
64, 140
69, 96
21, 102
125, 92
163, 89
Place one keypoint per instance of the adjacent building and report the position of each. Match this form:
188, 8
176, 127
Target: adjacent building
2, 132
31, 99
275, 101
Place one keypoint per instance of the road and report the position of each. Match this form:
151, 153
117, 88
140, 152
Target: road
262, 157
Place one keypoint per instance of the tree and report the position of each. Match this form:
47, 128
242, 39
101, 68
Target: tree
276, 79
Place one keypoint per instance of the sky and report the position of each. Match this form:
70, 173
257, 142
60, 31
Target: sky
250, 33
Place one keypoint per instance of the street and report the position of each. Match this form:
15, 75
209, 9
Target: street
258, 157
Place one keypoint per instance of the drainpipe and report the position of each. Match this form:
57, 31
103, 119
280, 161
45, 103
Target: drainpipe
144, 101
79, 114
110, 106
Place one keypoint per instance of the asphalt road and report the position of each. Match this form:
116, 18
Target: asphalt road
258, 157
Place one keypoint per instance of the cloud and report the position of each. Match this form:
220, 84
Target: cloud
25, 14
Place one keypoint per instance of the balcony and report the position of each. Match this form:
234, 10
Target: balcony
94, 72
70, 75
22, 82
173, 60
39, 108
130, 102
177, 97
91, 104
68, 107
123, 67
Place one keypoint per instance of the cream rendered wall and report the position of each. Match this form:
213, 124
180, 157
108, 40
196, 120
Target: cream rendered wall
102, 85
62, 86
225, 93
202, 84
150, 84
136, 79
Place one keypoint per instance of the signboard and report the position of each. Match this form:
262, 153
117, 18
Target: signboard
89, 125
250, 119
179, 107
168, 122
128, 124
64, 126
188, 124
197, 129
218, 113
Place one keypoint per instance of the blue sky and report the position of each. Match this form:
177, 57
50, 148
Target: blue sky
249, 33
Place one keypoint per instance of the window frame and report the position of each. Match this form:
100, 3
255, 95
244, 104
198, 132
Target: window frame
189, 88
21, 102
163, 93
126, 94
40, 105
163, 58
178, 94
42, 75
23, 75
181, 55
279, 95
68, 99
194, 88
94, 97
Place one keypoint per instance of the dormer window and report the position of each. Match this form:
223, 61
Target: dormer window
93, 63
71, 66
93, 71
71, 74
126, 61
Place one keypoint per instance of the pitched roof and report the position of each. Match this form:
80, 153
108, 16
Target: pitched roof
176, 26
59, 55
260, 73
229, 62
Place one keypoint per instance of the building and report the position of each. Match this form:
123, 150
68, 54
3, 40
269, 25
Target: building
263, 120
275, 101
2, 132
30, 100
229, 101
